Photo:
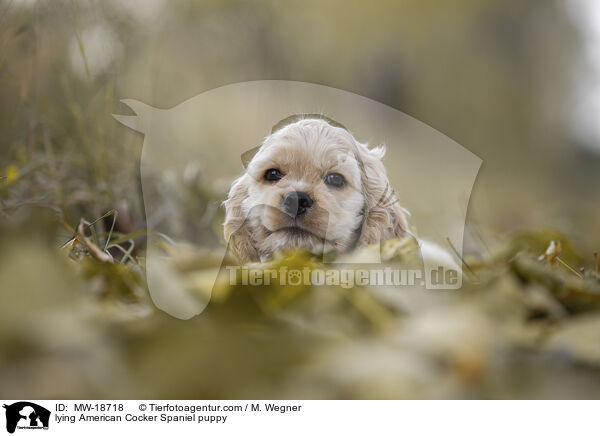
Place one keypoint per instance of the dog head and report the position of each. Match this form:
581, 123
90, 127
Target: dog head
311, 186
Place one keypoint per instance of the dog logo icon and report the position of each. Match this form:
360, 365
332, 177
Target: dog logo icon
26, 415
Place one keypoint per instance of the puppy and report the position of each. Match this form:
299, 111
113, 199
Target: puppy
311, 186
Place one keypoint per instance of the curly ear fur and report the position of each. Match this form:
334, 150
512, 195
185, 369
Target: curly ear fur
384, 217
236, 226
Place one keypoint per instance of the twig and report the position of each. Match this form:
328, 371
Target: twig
90, 246
568, 267
461, 259
91, 224
66, 226
126, 253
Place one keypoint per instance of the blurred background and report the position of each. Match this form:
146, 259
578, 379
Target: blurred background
517, 83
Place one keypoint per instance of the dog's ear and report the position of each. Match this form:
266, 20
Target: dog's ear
384, 217
236, 227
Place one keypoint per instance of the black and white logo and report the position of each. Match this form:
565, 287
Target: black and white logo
26, 415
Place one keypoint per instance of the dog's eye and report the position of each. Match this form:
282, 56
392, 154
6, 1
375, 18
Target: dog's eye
336, 180
273, 174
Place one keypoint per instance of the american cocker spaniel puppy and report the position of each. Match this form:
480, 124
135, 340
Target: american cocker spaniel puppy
311, 185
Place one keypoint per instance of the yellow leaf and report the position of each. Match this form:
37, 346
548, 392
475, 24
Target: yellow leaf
12, 173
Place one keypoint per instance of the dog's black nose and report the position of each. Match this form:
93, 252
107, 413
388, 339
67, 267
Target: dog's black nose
296, 203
